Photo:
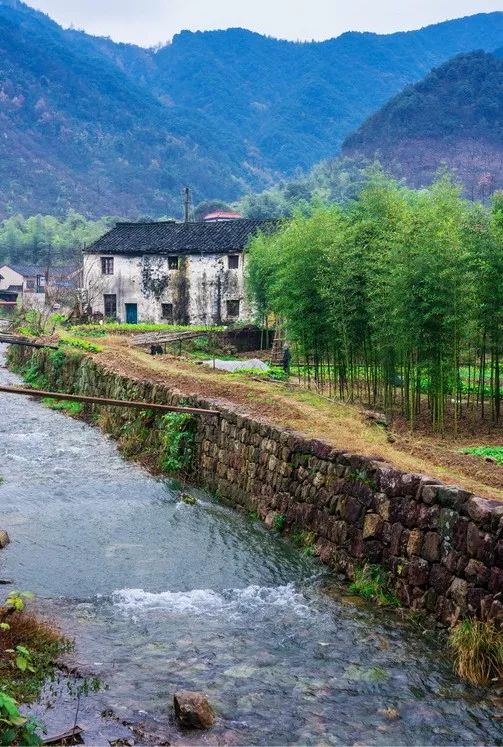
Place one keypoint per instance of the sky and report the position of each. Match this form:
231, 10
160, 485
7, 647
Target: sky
149, 22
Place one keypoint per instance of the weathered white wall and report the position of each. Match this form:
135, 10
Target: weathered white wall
198, 290
10, 277
29, 298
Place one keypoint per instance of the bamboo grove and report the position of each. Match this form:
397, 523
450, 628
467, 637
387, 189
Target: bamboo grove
395, 301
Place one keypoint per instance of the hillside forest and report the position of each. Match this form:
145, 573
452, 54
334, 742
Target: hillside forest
394, 300
107, 128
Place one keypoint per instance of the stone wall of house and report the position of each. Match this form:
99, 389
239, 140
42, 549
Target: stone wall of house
442, 546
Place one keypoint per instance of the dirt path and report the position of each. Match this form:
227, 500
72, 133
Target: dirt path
342, 425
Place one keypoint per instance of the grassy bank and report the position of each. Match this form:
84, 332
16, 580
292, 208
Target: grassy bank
29, 649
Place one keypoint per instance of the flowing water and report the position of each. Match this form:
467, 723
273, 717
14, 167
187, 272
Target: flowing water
162, 596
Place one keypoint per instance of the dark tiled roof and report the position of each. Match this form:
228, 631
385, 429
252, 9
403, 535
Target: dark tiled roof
169, 237
31, 271
28, 271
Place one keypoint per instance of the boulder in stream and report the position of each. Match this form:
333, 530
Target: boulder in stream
193, 710
4, 538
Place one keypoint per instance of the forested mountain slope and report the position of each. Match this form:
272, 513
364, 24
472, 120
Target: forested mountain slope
453, 117
110, 128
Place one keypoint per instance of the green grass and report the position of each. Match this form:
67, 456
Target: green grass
495, 452
75, 342
372, 582
71, 408
114, 328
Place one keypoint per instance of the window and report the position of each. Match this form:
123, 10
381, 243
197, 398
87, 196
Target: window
40, 283
233, 260
110, 304
107, 265
167, 311
30, 284
172, 263
233, 308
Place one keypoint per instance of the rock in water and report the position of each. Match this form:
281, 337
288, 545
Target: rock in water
4, 538
193, 710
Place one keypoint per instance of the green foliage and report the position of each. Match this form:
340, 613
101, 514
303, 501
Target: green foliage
14, 727
393, 297
70, 408
493, 452
433, 122
372, 582
116, 328
45, 240
119, 128
279, 522
76, 342
305, 540
16, 600
33, 375
177, 442
477, 647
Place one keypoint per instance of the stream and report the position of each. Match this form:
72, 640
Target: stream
161, 596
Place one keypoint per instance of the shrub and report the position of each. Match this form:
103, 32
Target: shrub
177, 442
477, 647
372, 582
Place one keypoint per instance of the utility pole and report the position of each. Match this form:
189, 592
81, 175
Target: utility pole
186, 203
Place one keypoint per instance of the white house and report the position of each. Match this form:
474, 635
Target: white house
22, 283
186, 273
36, 286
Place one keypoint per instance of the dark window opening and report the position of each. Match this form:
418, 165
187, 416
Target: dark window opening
30, 285
110, 304
107, 265
172, 263
167, 312
233, 308
233, 261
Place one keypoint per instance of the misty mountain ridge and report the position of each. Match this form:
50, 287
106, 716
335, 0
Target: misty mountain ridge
105, 127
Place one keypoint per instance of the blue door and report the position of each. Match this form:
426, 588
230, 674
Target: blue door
132, 313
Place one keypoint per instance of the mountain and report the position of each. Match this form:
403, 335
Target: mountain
453, 117
105, 128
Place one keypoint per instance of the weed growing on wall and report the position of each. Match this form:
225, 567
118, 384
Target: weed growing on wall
177, 438
33, 375
372, 582
70, 408
279, 522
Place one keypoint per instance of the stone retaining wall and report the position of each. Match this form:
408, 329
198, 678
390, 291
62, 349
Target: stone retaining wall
442, 546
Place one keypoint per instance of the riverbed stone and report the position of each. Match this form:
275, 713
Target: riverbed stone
193, 710
4, 538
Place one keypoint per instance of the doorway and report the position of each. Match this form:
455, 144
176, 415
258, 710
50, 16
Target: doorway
132, 313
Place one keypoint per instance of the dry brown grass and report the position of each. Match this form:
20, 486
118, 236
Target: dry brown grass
477, 647
42, 640
315, 416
